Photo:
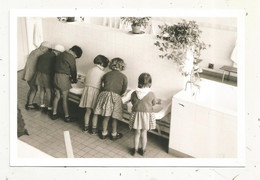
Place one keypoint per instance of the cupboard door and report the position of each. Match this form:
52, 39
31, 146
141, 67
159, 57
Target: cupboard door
182, 118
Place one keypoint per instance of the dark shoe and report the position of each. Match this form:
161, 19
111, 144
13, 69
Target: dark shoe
141, 151
93, 131
31, 106
85, 129
133, 152
54, 116
68, 119
116, 137
44, 109
103, 136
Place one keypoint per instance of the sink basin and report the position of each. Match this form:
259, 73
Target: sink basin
77, 88
160, 110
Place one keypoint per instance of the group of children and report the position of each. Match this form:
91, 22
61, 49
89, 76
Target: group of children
102, 95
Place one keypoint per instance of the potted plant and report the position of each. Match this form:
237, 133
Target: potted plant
136, 23
181, 43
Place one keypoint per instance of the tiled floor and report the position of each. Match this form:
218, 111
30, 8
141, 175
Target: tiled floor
48, 136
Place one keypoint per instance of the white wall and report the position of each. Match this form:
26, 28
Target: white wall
22, 43
138, 52
220, 33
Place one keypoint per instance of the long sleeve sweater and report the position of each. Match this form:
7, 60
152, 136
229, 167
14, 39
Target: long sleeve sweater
66, 64
115, 81
46, 63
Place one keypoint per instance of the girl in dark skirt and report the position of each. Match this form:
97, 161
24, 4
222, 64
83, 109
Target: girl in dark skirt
44, 75
65, 74
109, 102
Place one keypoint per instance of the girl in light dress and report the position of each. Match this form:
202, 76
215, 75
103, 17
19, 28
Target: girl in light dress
142, 118
92, 88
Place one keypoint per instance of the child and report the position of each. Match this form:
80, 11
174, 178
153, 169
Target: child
44, 75
142, 117
91, 90
65, 74
29, 71
109, 102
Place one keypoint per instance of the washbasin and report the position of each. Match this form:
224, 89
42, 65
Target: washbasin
77, 88
160, 110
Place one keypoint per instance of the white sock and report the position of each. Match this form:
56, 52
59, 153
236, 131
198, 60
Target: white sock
104, 133
114, 134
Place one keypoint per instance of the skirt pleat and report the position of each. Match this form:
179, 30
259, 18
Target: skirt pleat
142, 120
109, 104
89, 97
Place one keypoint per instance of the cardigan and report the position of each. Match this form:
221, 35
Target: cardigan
115, 81
143, 105
46, 63
66, 64
93, 77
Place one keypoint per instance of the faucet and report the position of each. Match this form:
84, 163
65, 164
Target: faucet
192, 82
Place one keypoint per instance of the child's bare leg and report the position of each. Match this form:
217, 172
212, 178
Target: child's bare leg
42, 94
94, 121
48, 96
105, 124
94, 124
56, 101
65, 102
114, 126
144, 138
32, 93
115, 134
137, 138
86, 117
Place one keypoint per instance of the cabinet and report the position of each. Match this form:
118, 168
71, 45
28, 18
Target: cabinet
201, 132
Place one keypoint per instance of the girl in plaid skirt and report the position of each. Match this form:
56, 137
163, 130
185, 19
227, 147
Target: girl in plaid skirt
109, 102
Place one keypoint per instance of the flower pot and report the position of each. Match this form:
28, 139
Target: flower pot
136, 29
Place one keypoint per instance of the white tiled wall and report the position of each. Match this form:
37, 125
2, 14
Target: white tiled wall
138, 51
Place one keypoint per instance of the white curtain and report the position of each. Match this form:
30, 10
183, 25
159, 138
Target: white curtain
112, 22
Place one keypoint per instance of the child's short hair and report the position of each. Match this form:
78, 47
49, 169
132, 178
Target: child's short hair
144, 80
101, 60
117, 64
77, 50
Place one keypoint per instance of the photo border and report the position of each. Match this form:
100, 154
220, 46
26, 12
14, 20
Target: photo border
130, 162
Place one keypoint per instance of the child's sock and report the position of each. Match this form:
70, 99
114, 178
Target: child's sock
104, 133
114, 134
85, 127
42, 105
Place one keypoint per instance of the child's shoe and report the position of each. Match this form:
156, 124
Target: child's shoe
133, 152
116, 137
54, 116
68, 119
102, 136
32, 106
141, 151
93, 131
85, 129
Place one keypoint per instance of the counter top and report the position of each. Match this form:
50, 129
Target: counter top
214, 95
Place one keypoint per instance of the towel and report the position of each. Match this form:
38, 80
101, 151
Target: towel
37, 36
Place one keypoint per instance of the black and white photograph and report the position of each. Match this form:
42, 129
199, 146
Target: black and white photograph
127, 88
